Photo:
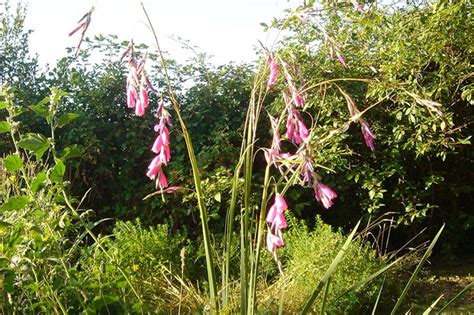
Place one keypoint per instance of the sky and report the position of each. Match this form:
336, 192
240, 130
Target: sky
226, 29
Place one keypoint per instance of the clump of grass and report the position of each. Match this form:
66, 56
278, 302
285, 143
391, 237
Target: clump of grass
306, 257
157, 265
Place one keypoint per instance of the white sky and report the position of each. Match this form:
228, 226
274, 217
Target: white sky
227, 29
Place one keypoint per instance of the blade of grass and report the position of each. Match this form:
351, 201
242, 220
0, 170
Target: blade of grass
429, 309
417, 270
367, 280
454, 299
378, 297
325, 298
329, 271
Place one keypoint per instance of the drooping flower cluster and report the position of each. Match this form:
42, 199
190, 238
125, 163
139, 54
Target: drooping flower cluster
137, 83
273, 72
277, 222
334, 48
83, 25
357, 6
298, 134
324, 194
137, 97
161, 148
356, 117
296, 130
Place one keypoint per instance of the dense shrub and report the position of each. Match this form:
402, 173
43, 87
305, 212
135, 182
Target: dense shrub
141, 268
306, 257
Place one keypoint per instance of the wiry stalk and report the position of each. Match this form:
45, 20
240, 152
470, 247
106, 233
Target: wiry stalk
196, 177
260, 230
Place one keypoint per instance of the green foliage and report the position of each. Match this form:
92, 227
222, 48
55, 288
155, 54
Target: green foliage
36, 246
410, 67
156, 262
306, 256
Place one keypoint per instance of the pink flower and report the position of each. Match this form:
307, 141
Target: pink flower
297, 97
82, 25
161, 147
137, 82
155, 172
161, 141
355, 116
277, 222
280, 203
368, 135
277, 209
273, 72
132, 94
139, 108
276, 135
143, 97
307, 171
296, 129
324, 194
274, 241
340, 58
357, 6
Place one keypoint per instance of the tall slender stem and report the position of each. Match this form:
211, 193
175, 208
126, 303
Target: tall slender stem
260, 229
196, 177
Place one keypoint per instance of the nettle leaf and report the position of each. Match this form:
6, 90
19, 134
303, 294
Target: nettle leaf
38, 181
57, 173
35, 143
15, 203
65, 119
40, 110
71, 151
57, 94
43, 101
12, 163
4, 126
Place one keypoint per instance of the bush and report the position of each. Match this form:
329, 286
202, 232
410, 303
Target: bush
306, 257
140, 268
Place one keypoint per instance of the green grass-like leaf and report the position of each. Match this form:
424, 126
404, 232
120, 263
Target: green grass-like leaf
329, 271
417, 270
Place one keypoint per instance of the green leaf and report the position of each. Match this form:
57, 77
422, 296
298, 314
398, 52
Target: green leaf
57, 94
432, 306
4, 126
415, 273
104, 300
65, 119
3, 105
454, 299
57, 173
40, 110
4, 225
121, 282
9, 281
35, 143
38, 181
12, 163
218, 197
43, 101
15, 203
71, 151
